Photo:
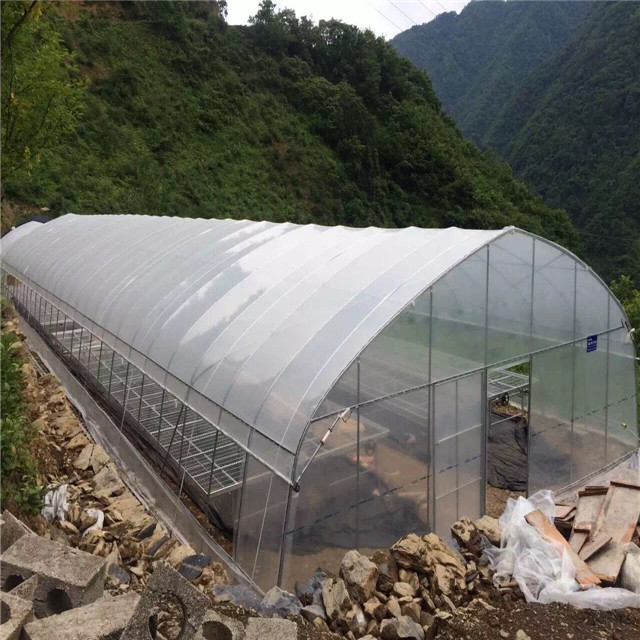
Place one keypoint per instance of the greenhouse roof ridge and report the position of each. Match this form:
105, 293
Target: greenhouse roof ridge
257, 318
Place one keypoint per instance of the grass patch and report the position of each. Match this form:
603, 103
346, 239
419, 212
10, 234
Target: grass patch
22, 489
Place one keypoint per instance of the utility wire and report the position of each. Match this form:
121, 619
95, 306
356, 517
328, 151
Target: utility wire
431, 11
386, 18
393, 4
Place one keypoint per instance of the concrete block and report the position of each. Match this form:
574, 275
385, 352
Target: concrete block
271, 629
27, 589
14, 614
103, 619
166, 589
68, 577
11, 529
215, 626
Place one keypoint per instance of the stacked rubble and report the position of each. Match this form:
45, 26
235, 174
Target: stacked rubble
51, 591
90, 507
404, 592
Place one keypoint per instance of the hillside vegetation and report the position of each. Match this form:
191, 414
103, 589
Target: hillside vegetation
478, 59
573, 131
554, 88
282, 120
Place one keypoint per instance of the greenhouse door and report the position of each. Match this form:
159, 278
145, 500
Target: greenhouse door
459, 417
507, 431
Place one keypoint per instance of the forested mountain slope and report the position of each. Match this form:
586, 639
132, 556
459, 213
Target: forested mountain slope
282, 120
477, 59
573, 131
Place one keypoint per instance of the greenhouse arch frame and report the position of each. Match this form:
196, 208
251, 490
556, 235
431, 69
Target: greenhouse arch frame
317, 389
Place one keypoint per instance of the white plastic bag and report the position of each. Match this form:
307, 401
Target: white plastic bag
97, 525
55, 503
544, 571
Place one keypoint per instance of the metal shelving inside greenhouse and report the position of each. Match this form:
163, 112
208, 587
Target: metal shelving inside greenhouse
315, 389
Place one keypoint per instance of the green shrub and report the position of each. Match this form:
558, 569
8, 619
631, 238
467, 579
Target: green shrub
20, 478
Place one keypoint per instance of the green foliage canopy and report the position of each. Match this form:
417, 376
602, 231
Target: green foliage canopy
283, 120
42, 95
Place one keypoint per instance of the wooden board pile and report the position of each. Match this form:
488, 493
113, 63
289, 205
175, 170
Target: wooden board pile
596, 529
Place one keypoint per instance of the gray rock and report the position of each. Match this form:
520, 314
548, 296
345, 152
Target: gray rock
192, 566
118, 573
387, 570
271, 629
335, 598
313, 611
311, 591
360, 575
147, 532
401, 628
278, 602
237, 594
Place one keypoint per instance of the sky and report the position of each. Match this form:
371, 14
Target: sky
384, 17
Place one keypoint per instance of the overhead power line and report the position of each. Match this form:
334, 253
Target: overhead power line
433, 13
408, 17
389, 20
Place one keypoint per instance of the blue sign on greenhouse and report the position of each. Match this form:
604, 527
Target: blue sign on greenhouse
592, 343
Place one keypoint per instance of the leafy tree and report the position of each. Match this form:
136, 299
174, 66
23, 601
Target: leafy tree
42, 95
629, 296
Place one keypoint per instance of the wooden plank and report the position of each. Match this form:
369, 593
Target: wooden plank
585, 577
587, 510
563, 511
617, 518
593, 546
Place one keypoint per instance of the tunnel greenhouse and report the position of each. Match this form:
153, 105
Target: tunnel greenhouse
317, 389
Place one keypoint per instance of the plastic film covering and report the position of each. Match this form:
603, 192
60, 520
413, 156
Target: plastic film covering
581, 396
255, 318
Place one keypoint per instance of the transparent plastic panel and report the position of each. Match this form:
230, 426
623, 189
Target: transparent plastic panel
459, 318
509, 313
554, 292
343, 394
394, 470
261, 523
458, 413
398, 358
322, 520
622, 397
589, 451
592, 304
551, 398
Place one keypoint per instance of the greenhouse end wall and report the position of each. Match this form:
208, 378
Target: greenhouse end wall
414, 461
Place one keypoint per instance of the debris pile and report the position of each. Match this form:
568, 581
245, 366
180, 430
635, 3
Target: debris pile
51, 591
406, 591
88, 506
603, 529
584, 566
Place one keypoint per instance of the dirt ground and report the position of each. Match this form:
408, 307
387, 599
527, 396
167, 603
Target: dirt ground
540, 622
497, 500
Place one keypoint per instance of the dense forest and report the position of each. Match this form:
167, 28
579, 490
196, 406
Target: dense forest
479, 58
554, 88
169, 110
573, 131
